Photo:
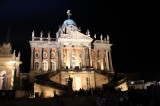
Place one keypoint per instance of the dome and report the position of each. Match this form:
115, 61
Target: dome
69, 22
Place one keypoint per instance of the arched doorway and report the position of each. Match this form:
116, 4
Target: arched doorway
36, 66
3, 80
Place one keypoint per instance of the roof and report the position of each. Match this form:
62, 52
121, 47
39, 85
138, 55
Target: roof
69, 22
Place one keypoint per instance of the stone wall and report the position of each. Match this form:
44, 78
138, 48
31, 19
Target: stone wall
100, 80
45, 91
56, 78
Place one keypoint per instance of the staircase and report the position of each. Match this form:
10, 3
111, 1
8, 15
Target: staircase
117, 80
43, 79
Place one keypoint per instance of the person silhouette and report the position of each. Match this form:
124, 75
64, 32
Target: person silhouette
70, 80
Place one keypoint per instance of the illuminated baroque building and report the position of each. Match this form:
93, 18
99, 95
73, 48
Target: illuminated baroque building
9, 66
72, 53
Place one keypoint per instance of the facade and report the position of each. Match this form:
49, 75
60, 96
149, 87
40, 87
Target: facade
141, 84
86, 60
9, 66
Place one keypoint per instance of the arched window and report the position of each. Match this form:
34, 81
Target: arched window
3, 80
44, 65
53, 66
36, 65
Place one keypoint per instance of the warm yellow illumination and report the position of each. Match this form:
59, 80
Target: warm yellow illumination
12, 62
123, 86
78, 83
71, 75
45, 91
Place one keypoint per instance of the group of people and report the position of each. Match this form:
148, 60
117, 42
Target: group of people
131, 97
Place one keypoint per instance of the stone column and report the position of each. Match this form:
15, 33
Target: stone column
58, 59
49, 60
90, 57
32, 54
83, 56
86, 57
12, 79
17, 69
102, 55
96, 59
67, 56
40, 62
1, 82
62, 57
57, 56
70, 56
110, 61
7, 83
107, 62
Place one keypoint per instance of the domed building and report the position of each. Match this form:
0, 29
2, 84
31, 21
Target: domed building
71, 54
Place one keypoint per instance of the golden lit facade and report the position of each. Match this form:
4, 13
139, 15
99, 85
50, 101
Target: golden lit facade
72, 53
9, 65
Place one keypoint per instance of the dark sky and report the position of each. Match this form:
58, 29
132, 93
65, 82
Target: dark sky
133, 27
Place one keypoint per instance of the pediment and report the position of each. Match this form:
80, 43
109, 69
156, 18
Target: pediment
75, 35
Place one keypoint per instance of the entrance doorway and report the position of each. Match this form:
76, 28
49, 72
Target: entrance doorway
78, 83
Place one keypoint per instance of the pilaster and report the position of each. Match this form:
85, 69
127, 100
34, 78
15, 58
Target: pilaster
49, 60
107, 62
32, 52
70, 50
40, 62
90, 57
110, 61
62, 63
102, 61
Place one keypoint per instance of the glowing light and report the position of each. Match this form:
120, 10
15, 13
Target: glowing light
11, 62
71, 75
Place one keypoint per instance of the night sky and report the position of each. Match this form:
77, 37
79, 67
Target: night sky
132, 27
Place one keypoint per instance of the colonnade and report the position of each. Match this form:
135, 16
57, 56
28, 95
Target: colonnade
75, 56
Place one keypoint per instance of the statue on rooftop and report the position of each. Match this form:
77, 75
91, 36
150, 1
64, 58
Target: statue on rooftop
101, 37
95, 36
108, 37
41, 34
33, 33
88, 32
69, 13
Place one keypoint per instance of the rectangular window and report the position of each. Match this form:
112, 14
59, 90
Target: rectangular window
66, 81
88, 81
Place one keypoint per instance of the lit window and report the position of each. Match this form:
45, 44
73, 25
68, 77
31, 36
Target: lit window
66, 81
52, 66
36, 65
44, 66
88, 81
